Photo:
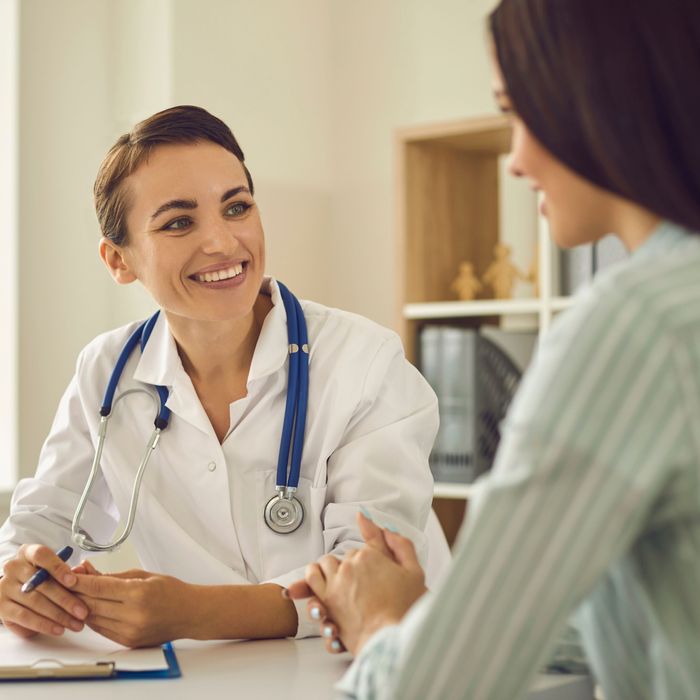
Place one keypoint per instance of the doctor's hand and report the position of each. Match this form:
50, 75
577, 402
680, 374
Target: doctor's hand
86, 567
135, 608
369, 589
50, 608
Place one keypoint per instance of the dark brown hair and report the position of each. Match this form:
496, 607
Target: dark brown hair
612, 89
183, 124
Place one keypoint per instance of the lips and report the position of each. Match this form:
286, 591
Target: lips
219, 275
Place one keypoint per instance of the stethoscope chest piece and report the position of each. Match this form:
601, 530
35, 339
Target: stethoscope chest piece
283, 514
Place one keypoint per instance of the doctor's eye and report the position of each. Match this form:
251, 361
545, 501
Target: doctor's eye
237, 208
178, 224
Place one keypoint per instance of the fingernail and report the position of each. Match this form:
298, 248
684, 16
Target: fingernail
335, 645
366, 513
285, 594
57, 630
315, 613
69, 579
76, 625
327, 631
80, 611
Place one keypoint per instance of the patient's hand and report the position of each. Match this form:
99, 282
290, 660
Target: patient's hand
369, 589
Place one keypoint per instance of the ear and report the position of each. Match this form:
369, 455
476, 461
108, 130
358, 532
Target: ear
113, 257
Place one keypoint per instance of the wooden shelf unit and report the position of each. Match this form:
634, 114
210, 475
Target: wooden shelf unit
449, 210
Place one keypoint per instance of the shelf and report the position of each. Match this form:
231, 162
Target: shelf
459, 309
488, 134
561, 303
442, 489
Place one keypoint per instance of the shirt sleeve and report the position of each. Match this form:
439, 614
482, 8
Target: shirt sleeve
585, 452
42, 507
381, 463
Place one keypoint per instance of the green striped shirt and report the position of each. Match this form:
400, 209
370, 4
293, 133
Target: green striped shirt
592, 508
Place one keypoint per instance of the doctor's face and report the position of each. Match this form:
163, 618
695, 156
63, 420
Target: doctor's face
195, 239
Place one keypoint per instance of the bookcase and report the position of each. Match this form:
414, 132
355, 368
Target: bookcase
453, 202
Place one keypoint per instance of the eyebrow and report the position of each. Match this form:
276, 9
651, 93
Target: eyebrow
233, 192
192, 203
174, 204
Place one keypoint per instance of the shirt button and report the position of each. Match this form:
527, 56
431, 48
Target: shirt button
211, 466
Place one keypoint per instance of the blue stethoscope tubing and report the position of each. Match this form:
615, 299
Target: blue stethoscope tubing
294, 425
283, 513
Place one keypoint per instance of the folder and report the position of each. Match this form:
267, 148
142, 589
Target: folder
81, 656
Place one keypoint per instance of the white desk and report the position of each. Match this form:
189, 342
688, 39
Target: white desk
278, 669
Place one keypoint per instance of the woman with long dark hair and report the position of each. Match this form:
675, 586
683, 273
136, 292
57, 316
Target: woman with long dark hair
593, 505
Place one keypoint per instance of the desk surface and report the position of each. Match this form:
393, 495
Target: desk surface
278, 669
251, 669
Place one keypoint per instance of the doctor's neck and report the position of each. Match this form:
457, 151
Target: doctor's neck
219, 351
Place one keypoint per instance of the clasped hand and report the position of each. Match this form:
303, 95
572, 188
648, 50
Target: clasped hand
368, 589
134, 608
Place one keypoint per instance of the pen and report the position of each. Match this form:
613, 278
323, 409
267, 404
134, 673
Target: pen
41, 575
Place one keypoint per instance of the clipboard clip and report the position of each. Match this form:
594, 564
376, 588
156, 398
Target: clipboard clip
46, 669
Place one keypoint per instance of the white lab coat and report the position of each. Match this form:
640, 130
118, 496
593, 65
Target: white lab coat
371, 423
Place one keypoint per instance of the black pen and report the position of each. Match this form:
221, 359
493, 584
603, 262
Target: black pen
41, 575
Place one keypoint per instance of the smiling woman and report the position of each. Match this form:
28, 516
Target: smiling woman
176, 207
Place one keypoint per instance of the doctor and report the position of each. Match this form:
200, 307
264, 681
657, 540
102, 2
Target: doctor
175, 205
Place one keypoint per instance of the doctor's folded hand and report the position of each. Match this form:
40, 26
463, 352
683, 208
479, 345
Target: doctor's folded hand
140, 609
369, 589
50, 608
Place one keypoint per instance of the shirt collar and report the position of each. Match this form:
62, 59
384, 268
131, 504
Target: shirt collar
272, 348
160, 362
663, 239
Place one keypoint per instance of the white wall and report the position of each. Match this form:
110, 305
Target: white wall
9, 22
64, 120
313, 89
397, 63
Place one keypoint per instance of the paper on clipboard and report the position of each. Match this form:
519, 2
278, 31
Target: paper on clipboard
72, 649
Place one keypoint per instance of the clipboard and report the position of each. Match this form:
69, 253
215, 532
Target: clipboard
108, 661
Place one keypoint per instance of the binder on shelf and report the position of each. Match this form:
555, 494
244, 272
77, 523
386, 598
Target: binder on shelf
82, 656
475, 379
575, 268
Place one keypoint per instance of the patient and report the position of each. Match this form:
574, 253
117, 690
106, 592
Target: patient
592, 507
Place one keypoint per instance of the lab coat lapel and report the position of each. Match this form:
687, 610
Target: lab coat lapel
271, 350
160, 364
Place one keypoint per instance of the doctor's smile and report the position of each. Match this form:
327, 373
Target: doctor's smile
220, 273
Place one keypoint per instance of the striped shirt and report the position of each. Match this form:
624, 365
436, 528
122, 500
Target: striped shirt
592, 508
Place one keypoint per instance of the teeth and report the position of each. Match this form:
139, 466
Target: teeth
219, 275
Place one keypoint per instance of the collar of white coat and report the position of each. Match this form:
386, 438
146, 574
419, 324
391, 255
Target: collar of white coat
160, 362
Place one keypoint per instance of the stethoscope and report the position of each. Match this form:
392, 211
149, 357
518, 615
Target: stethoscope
284, 512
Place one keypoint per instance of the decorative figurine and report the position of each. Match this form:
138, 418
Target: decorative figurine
466, 285
501, 274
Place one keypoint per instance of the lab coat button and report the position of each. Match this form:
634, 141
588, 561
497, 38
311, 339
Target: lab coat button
211, 466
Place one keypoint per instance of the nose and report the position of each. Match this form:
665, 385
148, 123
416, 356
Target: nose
218, 237
512, 166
